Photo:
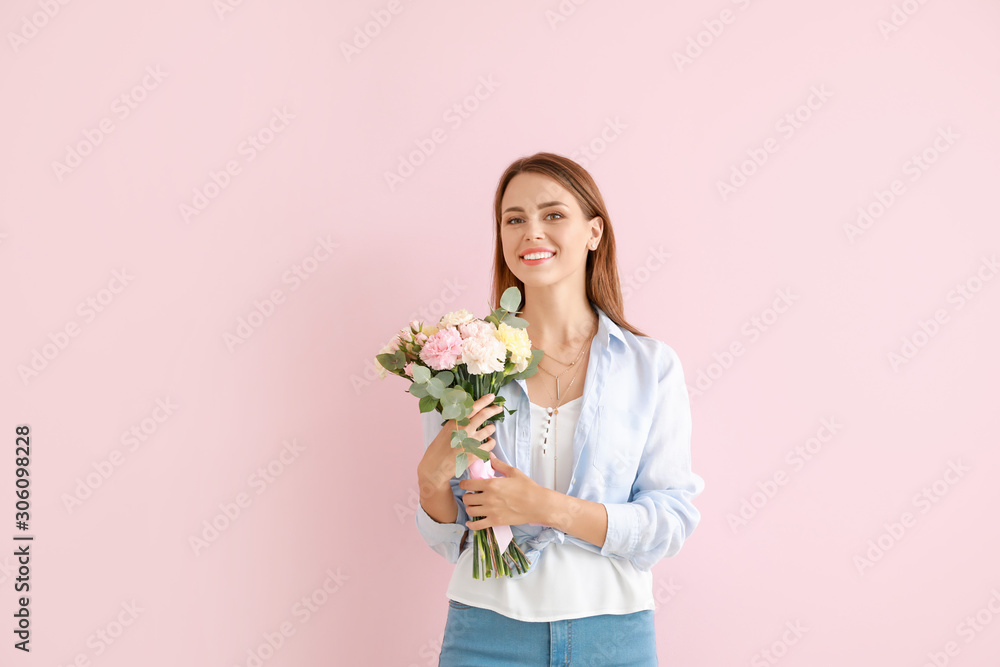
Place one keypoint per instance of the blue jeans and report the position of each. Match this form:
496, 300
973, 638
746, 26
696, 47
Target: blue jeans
477, 637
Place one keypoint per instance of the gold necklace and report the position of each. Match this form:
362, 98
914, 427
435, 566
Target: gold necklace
578, 356
553, 422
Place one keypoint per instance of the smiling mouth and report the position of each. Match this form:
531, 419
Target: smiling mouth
537, 257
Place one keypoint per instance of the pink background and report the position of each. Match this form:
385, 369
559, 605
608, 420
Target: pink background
333, 520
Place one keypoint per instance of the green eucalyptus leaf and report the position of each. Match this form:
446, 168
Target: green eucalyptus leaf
455, 395
428, 403
515, 322
481, 453
445, 377
435, 388
421, 373
532, 367
388, 361
461, 463
418, 390
511, 298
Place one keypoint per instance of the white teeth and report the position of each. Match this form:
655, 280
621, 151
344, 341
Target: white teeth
538, 255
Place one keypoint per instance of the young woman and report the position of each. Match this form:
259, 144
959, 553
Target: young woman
596, 456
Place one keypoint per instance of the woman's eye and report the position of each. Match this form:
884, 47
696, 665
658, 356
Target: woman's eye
511, 220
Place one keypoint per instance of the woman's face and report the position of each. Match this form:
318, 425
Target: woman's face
538, 215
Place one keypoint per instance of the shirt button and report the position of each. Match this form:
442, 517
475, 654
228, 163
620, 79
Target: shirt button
573, 480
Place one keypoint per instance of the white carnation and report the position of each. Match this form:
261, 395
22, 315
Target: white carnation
484, 354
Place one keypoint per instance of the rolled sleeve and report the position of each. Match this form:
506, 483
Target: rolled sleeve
444, 538
661, 516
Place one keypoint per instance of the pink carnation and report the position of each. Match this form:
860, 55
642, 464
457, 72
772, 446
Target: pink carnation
442, 349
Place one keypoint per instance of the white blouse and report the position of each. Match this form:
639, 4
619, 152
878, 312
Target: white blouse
567, 581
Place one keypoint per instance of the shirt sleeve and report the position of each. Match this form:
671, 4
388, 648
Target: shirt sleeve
661, 516
444, 538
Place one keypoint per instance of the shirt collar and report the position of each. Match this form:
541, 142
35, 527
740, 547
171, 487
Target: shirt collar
606, 328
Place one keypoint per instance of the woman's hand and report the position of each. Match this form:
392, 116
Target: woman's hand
504, 501
437, 467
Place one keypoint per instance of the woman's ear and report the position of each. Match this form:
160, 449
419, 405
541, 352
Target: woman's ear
597, 222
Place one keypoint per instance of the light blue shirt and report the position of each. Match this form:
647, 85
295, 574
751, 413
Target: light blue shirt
631, 453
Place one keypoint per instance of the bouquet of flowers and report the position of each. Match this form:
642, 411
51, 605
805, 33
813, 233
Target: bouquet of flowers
450, 366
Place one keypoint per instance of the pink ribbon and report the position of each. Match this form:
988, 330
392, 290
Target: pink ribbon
480, 469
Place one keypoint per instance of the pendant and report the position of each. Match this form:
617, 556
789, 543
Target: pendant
548, 428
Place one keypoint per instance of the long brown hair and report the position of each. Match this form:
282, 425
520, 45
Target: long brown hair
603, 286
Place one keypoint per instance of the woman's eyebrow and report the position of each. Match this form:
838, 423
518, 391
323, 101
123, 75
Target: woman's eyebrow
545, 205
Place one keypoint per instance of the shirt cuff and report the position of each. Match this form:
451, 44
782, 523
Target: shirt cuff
444, 538
623, 530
